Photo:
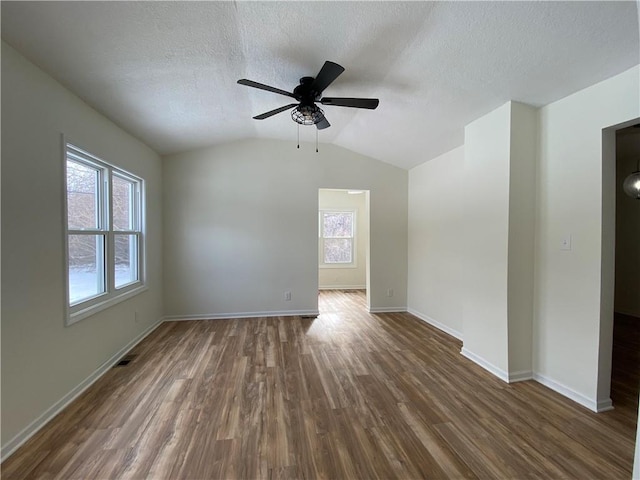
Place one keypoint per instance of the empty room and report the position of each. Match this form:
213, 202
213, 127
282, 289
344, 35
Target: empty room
320, 240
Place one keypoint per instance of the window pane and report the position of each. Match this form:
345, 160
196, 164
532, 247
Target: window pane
123, 204
82, 195
337, 250
338, 224
126, 259
86, 267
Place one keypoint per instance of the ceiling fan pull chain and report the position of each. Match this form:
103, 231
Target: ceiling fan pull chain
316, 140
298, 135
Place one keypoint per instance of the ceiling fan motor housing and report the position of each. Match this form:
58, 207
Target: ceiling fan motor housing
303, 92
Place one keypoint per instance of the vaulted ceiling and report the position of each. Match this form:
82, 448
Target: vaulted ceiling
167, 71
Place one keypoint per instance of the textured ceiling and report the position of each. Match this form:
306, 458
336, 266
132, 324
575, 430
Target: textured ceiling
167, 71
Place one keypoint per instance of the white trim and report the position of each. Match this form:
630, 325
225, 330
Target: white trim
109, 302
31, 429
521, 376
387, 309
225, 316
65, 235
501, 374
604, 405
343, 287
353, 264
435, 323
507, 377
599, 406
111, 295
587, 402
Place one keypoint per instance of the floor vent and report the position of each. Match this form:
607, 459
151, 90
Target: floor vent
125, 361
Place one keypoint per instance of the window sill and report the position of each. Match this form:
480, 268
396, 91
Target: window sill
98, 307
337, 265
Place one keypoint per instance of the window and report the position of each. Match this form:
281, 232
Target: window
337, 233
103, 233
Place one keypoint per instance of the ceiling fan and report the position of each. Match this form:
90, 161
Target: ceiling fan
308, 93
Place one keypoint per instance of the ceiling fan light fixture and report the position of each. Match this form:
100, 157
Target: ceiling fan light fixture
307, 114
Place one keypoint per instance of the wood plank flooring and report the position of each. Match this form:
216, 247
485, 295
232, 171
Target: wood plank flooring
625, 371
346, 395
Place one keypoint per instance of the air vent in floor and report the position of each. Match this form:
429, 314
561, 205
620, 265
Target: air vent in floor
126, 360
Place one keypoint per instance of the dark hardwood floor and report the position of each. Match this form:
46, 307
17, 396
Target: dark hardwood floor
625, 370
346, 395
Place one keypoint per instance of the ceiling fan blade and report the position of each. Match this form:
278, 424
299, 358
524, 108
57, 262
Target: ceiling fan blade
370, 103
262, 86
327, 74
322, 124
271, 113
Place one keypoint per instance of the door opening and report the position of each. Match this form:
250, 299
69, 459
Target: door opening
618, 359
343, 241
625, 361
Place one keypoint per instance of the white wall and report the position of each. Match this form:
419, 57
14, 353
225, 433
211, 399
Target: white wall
437, 223
572, 299
486, 189
241, 227
567, 298
627, 291
353, 277
523, 151
42, 360
500, 155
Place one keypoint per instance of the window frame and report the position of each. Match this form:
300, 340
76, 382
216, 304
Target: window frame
353, 238
104, 227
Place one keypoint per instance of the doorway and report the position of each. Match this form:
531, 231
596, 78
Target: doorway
625, 361
343, 242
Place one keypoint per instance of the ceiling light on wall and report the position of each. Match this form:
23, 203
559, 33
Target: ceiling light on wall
355, 192
631, 184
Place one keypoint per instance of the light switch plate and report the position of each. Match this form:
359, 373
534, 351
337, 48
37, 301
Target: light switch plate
565, 243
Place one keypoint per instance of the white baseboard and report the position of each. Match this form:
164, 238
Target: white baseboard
604, 405
521, 376
498, 372
591, 404
587, 402
342, 287
435, 323
31, 429
387, 309
225, 316
507, 377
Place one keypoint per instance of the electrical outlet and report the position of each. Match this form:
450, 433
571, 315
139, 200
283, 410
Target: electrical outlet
287, 296
136, 317
390, 292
